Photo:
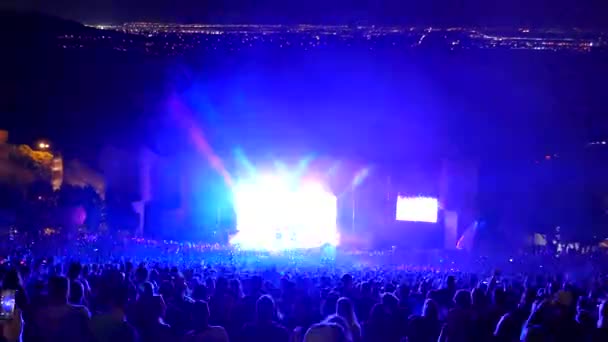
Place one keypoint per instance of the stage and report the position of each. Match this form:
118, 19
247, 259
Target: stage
310, 202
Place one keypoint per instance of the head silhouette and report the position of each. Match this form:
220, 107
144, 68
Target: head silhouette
200, 313
265, 308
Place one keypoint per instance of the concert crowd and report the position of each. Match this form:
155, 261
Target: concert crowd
161, 299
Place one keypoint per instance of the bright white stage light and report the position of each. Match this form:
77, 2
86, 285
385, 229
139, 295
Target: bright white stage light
275, 214
417, 209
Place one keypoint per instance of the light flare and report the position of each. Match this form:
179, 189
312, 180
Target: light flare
184, 116
274, 213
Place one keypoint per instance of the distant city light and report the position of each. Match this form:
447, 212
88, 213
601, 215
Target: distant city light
178, 38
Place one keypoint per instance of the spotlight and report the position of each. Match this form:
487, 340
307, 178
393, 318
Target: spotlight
42, 145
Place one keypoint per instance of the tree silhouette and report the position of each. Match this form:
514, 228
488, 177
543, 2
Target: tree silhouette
72, 198
11, 199
11, 196
36, 211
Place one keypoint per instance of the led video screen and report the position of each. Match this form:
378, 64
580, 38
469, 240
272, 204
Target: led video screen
417, 209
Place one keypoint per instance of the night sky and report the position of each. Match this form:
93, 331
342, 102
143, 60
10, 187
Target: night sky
78, 94
539, 13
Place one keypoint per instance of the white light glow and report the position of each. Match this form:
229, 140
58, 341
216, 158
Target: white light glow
275, 214
417, 209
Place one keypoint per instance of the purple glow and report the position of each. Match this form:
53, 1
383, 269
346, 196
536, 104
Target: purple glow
276, 214
417, 209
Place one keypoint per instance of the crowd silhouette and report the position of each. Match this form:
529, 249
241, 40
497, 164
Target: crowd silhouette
124, 301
